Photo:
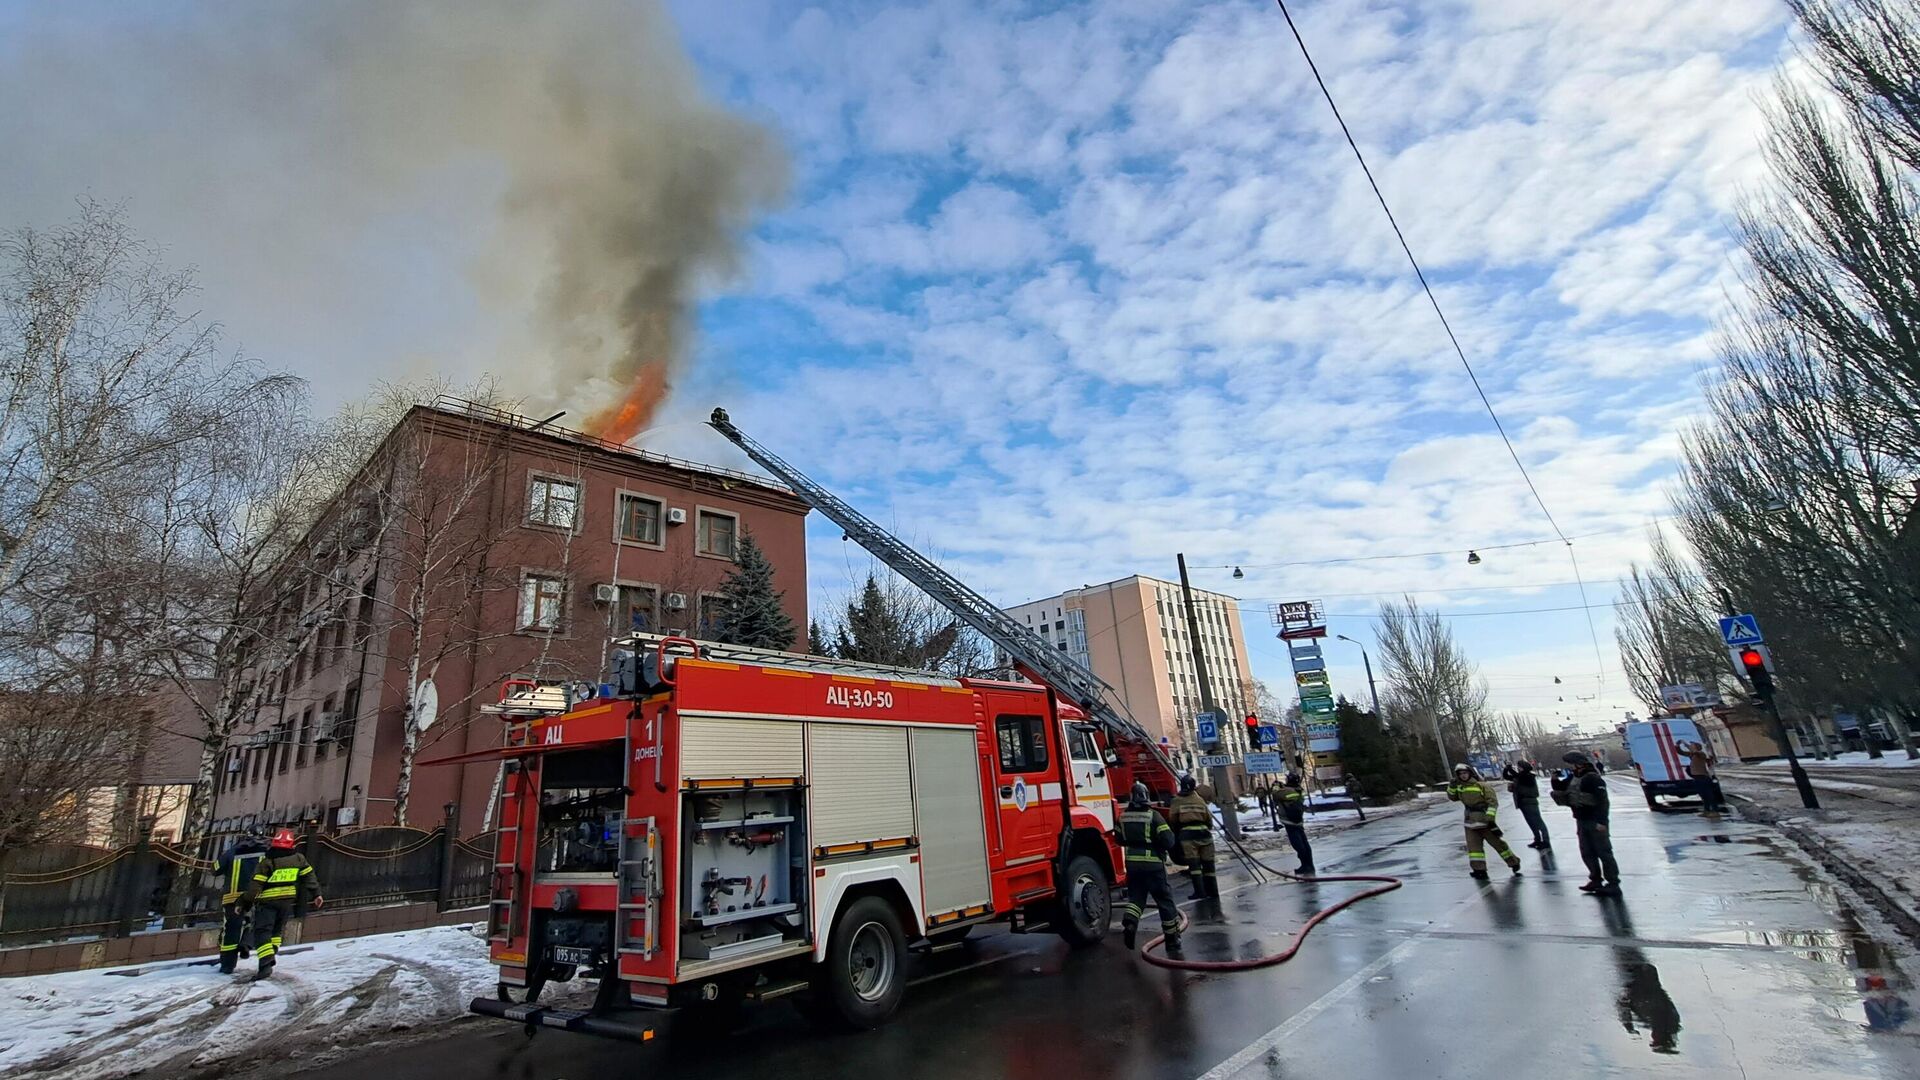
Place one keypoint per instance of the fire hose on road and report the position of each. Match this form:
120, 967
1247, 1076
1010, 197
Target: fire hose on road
1386, 885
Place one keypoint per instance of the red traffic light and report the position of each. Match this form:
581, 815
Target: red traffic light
1751, 658
1253, 721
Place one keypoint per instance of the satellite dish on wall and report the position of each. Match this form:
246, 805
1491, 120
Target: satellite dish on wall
426, 705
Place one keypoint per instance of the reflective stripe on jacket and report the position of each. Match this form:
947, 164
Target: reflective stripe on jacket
282, 876
236, 873
1190, 817
1293, 804
1145, 837
1472, 795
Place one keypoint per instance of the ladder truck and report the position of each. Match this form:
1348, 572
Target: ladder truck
718, 824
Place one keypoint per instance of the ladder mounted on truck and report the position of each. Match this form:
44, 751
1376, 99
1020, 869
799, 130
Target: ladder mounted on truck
1045, 664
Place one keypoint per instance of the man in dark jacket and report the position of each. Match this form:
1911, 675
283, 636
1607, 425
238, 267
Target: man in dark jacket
1525, 787
283, 886
235, 875
1586, 793
1148, 842
1293, 814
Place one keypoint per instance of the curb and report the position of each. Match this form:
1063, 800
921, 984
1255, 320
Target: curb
1810, 842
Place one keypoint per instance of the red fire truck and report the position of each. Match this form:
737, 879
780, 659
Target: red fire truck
724, 824
734, 824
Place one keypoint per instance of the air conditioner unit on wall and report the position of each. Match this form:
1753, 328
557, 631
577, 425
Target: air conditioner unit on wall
605, 593
675, 601
676, 516
324, 727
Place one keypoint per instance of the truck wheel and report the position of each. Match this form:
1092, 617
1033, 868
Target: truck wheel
860, 983
1087, 907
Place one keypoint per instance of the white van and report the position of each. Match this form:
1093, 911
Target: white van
1654, 747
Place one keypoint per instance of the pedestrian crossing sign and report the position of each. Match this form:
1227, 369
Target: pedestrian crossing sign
1739, 631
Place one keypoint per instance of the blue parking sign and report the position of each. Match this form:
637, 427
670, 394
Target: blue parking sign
1207, 727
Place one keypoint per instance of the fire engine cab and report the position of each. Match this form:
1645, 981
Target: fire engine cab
723, 824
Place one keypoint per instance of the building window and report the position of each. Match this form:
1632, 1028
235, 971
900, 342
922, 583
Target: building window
349, 715
305, 740
543, 600
637, 610
553, 502
712, 617
283, 738
638, 518
714, 534
1023, 743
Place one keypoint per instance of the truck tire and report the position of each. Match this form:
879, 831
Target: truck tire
864, 976
1086, 909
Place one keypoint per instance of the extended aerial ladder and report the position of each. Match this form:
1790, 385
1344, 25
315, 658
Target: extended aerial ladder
1034, 657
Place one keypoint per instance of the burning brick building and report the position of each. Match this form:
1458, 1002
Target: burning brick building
476, 545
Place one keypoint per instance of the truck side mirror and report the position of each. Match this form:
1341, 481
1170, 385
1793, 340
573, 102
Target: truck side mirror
1112, 759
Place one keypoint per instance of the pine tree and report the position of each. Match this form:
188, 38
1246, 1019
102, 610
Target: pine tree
817, 642
750, 611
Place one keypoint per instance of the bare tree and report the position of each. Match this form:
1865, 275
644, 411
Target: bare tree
1797, 495
1665, 628
1427, 678
117, 418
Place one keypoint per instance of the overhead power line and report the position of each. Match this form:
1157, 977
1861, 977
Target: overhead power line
1454, 340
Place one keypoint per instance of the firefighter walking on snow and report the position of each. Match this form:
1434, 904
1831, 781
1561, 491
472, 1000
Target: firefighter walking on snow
1148, 841
1192, 823
283, 886
1477, 798
235, 875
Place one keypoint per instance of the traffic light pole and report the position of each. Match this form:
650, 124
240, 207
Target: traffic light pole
1761, 679
1800, 780
1222, 780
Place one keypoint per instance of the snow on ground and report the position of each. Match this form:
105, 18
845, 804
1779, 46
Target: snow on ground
1853, 759
112, 1022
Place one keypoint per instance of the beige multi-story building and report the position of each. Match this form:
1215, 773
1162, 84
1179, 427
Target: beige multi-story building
1133, 634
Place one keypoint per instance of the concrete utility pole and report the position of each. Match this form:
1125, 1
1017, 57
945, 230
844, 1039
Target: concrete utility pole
1222, 780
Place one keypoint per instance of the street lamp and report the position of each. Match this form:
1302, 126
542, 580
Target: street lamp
1371, 692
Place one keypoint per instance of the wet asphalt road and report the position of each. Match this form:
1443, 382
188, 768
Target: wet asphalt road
1728, 956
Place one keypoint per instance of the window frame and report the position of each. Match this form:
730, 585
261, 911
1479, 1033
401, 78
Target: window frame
619, 520
619, 602
579, 486
526, 618
700, 514
700, 600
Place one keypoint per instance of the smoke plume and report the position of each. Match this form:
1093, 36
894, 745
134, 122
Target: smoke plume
615, 189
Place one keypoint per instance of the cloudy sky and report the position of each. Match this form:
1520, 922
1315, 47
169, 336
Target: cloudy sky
1059, 290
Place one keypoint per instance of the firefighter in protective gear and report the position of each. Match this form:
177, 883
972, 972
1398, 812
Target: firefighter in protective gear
283, 885
235, 875
1192, 823
1147, 840
1293, 813
1478, 799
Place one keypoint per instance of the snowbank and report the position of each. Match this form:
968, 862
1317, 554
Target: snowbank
1852, 759
178, 1014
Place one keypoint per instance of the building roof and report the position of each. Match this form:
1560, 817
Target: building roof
473, 410
1130, 578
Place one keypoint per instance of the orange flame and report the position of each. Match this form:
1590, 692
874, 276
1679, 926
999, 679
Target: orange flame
620, 423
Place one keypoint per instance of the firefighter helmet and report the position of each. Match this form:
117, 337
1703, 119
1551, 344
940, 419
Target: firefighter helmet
284, 838
1139, 796
1186, 783
1463, 769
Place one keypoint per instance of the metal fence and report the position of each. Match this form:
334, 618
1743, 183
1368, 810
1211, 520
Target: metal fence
69, 891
